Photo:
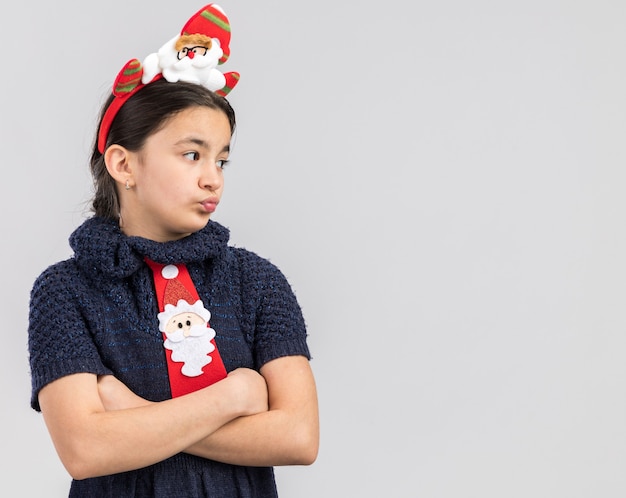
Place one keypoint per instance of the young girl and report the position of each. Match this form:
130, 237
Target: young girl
164, 361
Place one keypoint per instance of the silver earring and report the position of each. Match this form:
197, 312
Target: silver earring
127, 185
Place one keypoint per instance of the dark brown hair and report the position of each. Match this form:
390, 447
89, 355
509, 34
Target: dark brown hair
140, 117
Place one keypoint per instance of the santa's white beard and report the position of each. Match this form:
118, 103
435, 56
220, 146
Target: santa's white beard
188, 65
193, 350
201, 69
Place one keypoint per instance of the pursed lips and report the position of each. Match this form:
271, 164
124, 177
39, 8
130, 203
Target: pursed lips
210, 204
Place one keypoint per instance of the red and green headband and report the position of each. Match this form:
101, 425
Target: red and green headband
192, 55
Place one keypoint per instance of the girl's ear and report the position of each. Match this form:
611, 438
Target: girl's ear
117, 160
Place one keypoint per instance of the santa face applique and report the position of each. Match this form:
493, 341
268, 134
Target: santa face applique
188, 335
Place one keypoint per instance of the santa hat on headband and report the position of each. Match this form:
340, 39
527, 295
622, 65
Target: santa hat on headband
210, 21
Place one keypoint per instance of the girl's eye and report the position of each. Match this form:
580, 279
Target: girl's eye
222, 163
194, 156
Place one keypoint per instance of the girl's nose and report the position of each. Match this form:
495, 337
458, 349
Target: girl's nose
211, 177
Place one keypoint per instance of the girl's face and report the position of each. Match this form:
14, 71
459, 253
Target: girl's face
177, 178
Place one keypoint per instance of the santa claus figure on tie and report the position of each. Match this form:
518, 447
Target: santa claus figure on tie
188, 335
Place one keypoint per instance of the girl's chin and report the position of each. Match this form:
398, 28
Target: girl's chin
196, 225
169, 232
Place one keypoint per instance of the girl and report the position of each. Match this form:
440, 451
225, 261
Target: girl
164, 361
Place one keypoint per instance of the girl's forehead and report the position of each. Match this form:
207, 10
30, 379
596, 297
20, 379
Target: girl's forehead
196, 113
197, 123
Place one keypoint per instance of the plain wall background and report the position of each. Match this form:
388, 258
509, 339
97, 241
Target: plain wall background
441, 182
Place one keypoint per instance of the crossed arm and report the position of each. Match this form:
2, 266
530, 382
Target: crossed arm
99, 427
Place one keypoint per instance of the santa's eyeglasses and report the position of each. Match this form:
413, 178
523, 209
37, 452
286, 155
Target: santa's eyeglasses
192, 52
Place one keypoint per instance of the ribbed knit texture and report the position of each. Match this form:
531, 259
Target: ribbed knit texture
96, 312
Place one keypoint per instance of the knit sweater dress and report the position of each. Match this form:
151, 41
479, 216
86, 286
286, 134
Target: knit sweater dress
97, 312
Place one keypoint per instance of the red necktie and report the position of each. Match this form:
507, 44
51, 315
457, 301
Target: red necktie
193, 361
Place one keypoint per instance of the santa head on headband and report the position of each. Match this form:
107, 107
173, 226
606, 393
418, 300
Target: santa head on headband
194, 54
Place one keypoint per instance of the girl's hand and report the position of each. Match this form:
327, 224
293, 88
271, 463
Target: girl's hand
250, 390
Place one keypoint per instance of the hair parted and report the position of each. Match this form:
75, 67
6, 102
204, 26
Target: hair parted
144, 114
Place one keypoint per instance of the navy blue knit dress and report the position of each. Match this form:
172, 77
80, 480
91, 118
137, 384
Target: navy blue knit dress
97, 312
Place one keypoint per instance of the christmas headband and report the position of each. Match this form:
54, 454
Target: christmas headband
192, 56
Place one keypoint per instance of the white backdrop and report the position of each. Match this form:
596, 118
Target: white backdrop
441, 182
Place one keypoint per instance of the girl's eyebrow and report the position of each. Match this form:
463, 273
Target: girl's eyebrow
201, 143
